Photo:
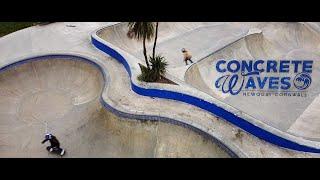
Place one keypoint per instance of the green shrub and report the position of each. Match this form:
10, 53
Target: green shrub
159, 66
146, 74
158, 69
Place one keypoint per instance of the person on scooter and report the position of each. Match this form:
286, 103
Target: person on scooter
55, 144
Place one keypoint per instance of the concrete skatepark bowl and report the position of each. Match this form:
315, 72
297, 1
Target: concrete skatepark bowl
293, 117
70, 96
61, 95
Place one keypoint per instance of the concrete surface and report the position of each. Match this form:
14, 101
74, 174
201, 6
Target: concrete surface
61, 96
58, 38
279, 41
209, 41
200, 38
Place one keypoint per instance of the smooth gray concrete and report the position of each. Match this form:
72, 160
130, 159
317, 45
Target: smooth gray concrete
200, 38
211, 41
59, 38
277, 41
61, 96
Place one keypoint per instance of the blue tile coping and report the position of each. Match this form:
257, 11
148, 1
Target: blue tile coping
205, 105
114, 110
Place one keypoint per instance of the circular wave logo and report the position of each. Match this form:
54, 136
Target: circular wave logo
302, 81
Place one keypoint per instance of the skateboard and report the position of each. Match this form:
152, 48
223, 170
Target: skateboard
55, 150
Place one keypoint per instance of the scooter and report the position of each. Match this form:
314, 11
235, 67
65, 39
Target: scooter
56, 150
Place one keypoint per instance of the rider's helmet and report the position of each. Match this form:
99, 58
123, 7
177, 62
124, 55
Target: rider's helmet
183, 50
48, 136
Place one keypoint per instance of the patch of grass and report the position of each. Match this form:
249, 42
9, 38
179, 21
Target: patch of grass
9, 27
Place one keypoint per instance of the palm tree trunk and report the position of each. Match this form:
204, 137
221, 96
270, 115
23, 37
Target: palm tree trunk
155, 41
145, 52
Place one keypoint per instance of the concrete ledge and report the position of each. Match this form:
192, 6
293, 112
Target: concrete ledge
201, 100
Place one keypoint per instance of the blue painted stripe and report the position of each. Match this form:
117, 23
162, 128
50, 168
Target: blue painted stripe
210, 107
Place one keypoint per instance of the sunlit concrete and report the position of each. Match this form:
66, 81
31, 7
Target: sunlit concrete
211, 41
61, 96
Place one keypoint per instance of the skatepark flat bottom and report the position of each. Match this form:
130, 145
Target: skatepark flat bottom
61, 96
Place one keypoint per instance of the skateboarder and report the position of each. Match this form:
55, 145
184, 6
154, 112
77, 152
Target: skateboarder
55, 144
186, 56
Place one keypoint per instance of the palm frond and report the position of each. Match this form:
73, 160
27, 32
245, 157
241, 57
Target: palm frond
139, 30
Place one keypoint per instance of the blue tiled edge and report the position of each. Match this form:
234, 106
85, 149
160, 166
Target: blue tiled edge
210, 107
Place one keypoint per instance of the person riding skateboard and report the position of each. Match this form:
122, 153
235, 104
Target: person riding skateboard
54, 143
186, 56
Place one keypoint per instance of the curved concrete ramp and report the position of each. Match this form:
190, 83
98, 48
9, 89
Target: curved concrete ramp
278, 41
201, 38
61, 95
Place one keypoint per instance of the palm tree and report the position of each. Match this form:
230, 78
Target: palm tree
144, 31
155, 41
